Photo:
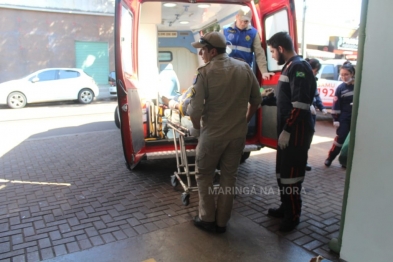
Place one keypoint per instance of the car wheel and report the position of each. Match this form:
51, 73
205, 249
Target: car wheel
117, 117
85, 96
16, 100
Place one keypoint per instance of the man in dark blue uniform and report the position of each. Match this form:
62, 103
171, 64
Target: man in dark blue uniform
295, 93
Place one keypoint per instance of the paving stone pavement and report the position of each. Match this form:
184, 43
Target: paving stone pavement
68, 194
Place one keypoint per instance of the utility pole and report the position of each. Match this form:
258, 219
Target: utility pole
304, 45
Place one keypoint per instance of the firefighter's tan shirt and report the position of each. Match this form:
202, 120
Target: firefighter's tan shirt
223, 88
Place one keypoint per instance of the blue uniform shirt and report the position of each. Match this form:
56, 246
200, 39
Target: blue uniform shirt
240, 42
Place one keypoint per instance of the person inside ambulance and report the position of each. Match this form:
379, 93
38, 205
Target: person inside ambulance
179, 103
169, 83
243, 41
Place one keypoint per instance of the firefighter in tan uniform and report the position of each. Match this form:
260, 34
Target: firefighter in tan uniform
226, 95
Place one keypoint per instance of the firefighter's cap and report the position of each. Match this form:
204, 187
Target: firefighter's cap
214, 39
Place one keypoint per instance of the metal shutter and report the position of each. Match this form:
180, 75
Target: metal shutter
93, 58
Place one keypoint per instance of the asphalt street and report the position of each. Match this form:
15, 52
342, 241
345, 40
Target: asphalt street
54, 120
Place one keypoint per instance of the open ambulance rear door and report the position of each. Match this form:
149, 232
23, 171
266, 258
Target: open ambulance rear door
275, 16
126, 32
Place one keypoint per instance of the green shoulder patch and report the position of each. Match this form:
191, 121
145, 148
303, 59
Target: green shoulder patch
300, 74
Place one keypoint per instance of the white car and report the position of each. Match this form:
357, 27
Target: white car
112, 84
50, 84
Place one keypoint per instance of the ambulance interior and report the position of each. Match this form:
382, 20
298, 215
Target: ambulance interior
170, 33
166, 31
163, 42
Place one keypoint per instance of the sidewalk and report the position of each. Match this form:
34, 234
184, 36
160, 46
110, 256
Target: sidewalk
64, 202
104, 93
245, 241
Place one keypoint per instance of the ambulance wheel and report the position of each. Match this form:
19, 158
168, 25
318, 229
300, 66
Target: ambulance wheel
117, 117
174, 181
185, 199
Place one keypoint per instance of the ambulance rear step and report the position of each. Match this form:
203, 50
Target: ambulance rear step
190, 152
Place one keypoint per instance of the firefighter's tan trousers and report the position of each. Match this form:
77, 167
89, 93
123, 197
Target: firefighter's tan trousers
209, 154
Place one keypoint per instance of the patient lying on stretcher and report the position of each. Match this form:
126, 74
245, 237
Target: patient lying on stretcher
180, 104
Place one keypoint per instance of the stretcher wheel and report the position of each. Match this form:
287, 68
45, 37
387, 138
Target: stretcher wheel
174, 181
185, 198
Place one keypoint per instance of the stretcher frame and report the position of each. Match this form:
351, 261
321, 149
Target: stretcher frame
183, 167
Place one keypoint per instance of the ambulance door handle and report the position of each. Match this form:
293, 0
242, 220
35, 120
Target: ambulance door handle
122, 87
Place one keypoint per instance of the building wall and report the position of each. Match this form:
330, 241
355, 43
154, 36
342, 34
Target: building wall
32, 40
368, 230
101, 6
318, 34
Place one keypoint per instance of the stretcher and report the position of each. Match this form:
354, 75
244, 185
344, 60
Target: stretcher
183, 167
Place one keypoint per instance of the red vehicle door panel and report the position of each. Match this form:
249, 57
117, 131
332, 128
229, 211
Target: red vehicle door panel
126, 60
275, 16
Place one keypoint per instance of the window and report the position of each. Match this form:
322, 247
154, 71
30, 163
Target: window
126, 40
112, 76
277, 22
47, 75
327, 72
64, 74
165, 56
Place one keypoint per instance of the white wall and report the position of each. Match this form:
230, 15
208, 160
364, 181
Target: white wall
148, 49
185, 65
368, 229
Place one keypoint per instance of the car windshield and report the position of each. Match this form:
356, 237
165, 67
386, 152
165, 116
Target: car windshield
30, 75
112, 75
326, 72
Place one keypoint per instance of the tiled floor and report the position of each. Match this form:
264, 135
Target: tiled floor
63, 195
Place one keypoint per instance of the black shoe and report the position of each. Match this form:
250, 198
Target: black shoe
220, 230
343, 166
276, 212
208, 226
308, 167
288, 225
328, 162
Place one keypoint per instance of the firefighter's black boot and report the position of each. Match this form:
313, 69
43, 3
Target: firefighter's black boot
277, 212
334, 151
